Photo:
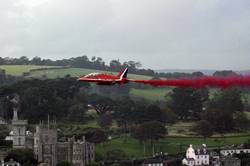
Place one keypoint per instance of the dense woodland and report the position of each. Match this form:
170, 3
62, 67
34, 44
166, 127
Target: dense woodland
68, 100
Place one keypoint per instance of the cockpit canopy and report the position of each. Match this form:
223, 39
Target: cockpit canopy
91, 74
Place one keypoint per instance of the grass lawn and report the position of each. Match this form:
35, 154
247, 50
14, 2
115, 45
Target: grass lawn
18, 70
77, 72
54, 73
171, 145
181, 129
150, 94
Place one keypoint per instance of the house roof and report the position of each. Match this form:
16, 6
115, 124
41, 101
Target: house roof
203, 151
152, 161
189, 159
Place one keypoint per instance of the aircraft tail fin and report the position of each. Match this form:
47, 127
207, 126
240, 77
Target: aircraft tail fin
123, 73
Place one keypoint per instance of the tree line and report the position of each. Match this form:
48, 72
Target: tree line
67, 99
99, 64
81, 62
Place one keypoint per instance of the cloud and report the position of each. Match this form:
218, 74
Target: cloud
160, 34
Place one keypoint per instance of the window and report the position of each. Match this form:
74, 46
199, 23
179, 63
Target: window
46, 138
19, 141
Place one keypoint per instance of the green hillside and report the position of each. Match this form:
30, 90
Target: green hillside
18, 70
150, 94
76, 72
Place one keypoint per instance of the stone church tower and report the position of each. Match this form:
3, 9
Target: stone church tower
19, 132
45, 141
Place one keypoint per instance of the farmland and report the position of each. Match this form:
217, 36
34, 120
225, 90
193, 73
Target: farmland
76, 72
18, 70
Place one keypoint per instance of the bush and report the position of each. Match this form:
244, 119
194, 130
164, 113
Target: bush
203, 128
23, 156
63, 163
116, 155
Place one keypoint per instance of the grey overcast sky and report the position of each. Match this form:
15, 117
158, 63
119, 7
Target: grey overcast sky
161, 34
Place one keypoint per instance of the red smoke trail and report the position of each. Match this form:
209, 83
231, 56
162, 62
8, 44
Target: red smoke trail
201, 82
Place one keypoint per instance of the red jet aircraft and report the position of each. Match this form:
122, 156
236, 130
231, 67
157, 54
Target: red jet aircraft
106, 79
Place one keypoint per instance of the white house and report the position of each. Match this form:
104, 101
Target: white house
196, 157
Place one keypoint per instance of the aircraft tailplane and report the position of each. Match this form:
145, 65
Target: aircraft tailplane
123, 74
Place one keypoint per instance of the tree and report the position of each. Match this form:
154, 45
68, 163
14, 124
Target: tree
225, 73
223, 110
23, 60
115, 65
116, 155
241, 121
154, 113
171, 117
186, 102
58, 97
36, 61
76, 112
23, 156
203, 128
152, 131
101, 104
228, 100
105, 121
3, 131
124, 113
197, 74
95, 135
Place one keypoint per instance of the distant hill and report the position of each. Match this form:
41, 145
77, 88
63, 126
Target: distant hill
204, 71
18, 70
244, 72
38, 71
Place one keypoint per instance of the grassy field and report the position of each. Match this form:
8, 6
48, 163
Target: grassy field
77, 72
181, 129
54, 73
150, 94
178, 138
18, 70
171, 145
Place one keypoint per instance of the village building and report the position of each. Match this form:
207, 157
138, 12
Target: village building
230, 161
199, 156
226, 152
46, 147
48, 150
162, 160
